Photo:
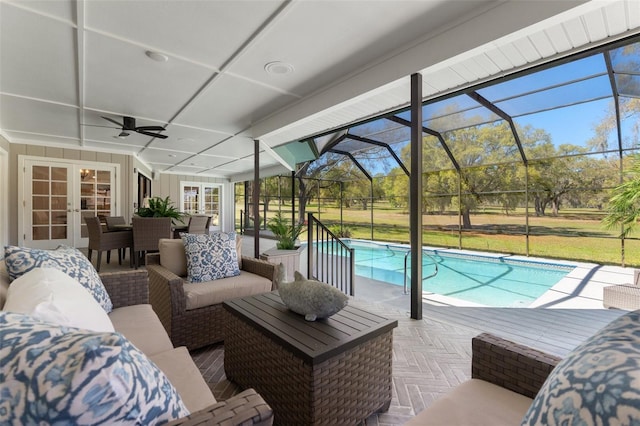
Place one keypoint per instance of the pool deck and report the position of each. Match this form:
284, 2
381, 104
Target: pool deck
555, 322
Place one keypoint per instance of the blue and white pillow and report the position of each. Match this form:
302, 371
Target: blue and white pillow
60, 375
597, 383
210, 257
73, 262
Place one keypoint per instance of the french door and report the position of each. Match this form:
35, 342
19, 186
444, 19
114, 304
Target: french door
58, 195
202, 198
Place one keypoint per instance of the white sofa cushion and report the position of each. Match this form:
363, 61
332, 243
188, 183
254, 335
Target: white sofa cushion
474, 402
71, 261
52, 296
209, 293
61, 375
183, 374
141, 325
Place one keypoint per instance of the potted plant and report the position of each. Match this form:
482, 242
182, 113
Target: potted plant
160, 207
285, 233
286, 251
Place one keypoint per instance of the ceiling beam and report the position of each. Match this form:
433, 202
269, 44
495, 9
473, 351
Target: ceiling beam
80, 45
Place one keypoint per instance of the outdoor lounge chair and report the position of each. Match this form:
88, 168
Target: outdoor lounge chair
623, 296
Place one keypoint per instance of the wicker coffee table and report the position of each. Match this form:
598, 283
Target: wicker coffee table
329, 372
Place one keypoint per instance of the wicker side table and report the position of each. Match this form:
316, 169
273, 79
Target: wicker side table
328, 372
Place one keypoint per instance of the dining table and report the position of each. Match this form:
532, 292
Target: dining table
176, 229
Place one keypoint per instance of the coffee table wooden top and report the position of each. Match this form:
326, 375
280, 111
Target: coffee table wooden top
313, 341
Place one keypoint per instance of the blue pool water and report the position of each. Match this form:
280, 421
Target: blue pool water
487, 280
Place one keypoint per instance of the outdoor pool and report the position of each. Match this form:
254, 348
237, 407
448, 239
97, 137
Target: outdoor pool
491, 280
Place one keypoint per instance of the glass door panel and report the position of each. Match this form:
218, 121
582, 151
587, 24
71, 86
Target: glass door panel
212, 204
202, 198
191, 199
57, 198
95, 196
49, 206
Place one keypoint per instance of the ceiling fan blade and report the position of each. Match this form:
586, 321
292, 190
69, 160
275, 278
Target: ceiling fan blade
113, 121
155, 135
97, 125
152, 128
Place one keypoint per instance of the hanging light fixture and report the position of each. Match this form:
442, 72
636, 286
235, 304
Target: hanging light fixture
84, 173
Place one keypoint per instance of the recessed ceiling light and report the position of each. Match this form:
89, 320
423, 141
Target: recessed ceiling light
157, 56
172, 155
278, 67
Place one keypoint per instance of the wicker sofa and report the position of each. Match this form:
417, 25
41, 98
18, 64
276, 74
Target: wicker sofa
133, 317
192, 313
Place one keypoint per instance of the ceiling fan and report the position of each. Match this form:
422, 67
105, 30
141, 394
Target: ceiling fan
129, 125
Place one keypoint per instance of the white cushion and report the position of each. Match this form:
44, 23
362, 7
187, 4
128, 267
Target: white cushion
60, 375
51, 295
73, 262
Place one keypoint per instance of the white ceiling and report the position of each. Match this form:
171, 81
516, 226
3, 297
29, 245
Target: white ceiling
64, 64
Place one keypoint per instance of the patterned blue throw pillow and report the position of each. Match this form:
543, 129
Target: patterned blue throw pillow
598, 383
60, 375
210, 257
73, 262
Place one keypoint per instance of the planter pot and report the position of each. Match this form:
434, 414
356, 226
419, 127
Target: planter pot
289, 258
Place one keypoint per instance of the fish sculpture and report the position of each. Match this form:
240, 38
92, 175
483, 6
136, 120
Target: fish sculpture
311, 298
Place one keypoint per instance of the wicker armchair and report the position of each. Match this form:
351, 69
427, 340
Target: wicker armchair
101, 241
512, 366
193, 328
147, 232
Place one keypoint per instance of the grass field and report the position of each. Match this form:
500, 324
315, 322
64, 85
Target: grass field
575, 234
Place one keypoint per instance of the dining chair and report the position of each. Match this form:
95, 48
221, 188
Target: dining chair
111, 222
199, 224
100, 240
115, 220
147, 232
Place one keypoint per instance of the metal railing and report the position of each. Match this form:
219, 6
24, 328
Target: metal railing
330, 260
435, 263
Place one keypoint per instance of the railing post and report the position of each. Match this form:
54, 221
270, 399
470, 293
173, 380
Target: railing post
352, 271
309, 244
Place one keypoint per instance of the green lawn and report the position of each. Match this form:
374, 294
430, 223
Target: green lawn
575, 234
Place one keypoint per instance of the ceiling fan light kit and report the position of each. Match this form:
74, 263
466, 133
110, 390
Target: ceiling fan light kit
157, 56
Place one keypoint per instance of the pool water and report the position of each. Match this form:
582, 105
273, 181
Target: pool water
487, 280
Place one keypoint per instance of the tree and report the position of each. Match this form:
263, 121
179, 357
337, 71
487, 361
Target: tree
624, 205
